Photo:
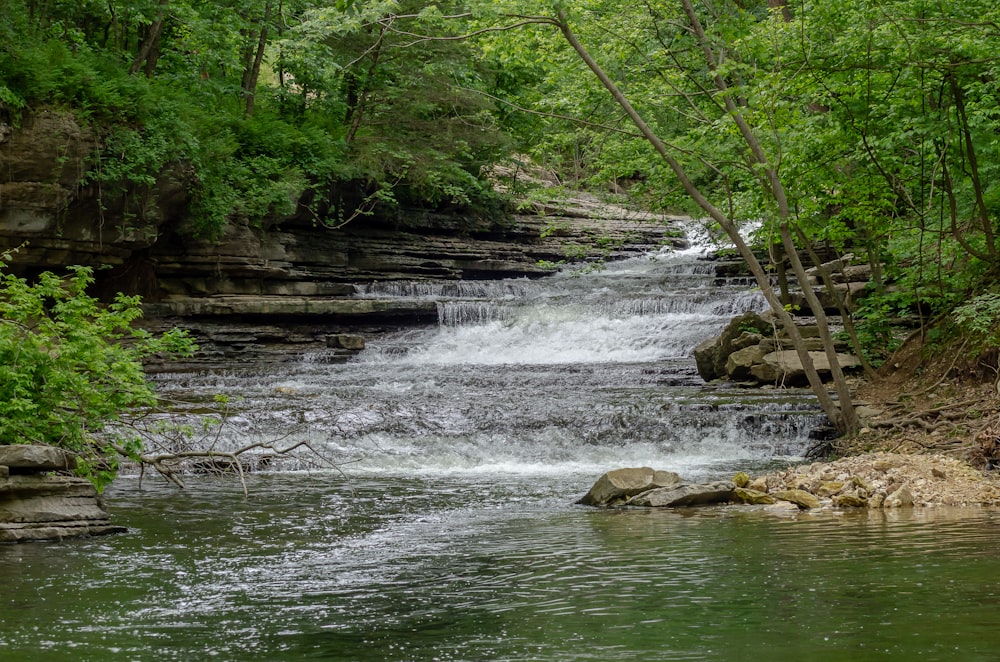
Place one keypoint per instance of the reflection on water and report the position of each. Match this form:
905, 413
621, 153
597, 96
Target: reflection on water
308, 568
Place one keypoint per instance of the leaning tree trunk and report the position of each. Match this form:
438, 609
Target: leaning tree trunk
150, 47
842, 416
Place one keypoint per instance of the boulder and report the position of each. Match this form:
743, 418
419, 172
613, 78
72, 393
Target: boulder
741, 332
685, 495
850, 500
741, 362
828, 488
753, 497
901, 498
800, 498
704, 359
619, 485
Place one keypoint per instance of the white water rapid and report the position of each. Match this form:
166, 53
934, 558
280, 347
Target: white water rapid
569, 375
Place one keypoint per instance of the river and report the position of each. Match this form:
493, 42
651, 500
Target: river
447, 530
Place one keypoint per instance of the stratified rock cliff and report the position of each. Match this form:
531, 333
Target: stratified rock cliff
294, 267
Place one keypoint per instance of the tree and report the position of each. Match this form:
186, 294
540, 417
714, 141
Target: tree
717, 94
70, 367
865, 127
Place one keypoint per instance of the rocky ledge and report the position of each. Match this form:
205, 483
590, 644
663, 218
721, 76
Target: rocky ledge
873, 481
283, 267
753, 349
40, 499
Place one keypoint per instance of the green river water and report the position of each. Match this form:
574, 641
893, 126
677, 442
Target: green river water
447, 570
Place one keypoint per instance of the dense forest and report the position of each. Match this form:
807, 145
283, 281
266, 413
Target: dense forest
800, 127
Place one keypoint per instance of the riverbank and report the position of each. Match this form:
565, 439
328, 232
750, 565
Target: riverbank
931, 423
885, 480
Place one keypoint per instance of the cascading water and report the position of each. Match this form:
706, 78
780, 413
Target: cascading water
574, 374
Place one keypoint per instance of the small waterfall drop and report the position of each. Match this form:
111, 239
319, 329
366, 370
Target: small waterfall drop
579, 372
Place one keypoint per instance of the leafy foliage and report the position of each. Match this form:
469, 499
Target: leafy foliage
980, 317
70, 366
263, 108
879, 118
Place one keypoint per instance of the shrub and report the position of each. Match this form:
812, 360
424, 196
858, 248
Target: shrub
70, 366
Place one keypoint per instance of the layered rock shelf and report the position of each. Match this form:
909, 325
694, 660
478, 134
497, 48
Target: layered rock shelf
753, 349
40, 499
289, 266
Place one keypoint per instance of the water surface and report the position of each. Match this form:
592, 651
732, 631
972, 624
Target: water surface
447, 569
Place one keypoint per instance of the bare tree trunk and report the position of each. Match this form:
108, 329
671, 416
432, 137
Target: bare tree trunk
986, 223
841, 305
252, 72
847, 419
150, 48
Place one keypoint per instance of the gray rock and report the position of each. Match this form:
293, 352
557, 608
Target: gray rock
753, 497
785, 366
42, 506
739, 363
619, 485
711, 355
685, 495
704, 359
25, 457
800, 498
901, 498
346, 341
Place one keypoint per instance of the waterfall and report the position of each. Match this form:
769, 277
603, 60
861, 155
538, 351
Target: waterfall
582, 371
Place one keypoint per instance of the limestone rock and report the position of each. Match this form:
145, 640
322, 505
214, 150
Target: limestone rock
50, 507
740, 363
619, 485
800, 498
25, 457
685, 495
783, 508
850, 500
900, 498
346, 341
828, 488
705, 359
711, 355
753, 497
785, 366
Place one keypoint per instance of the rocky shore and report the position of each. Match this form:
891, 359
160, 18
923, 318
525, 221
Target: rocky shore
873, 481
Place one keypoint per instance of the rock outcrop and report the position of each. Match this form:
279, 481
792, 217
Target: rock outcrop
643, 486
289, 267
754, 349
40, 500
618, 486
